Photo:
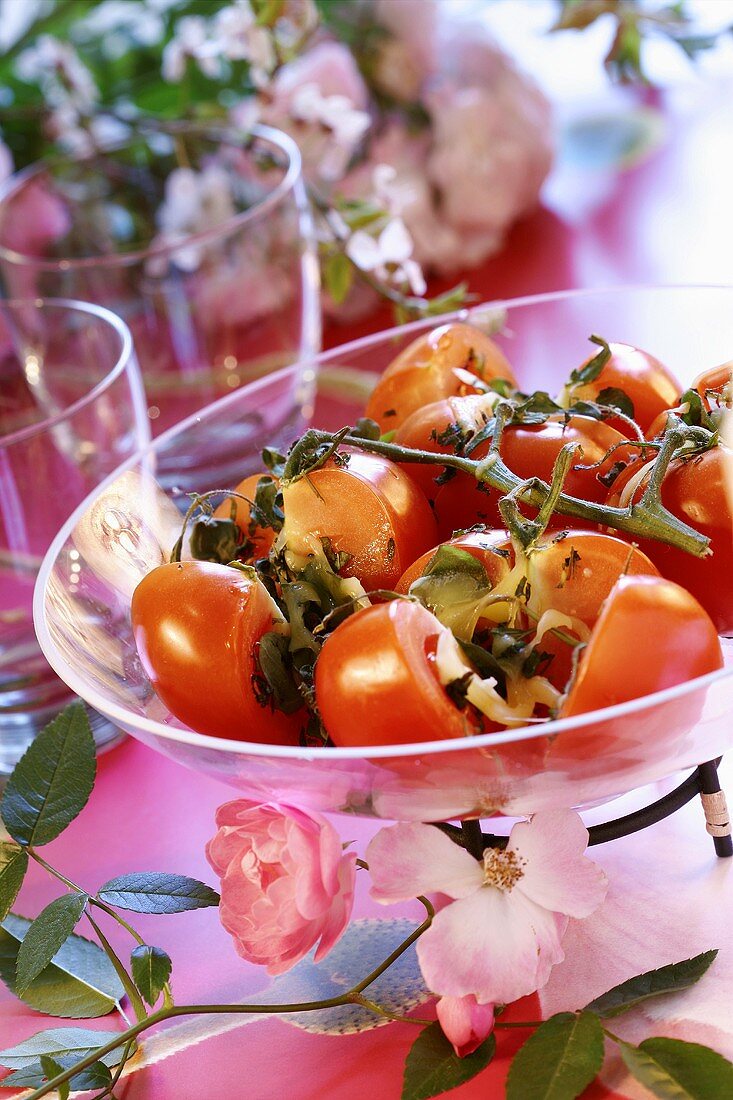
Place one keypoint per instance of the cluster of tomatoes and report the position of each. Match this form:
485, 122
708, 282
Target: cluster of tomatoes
352, 595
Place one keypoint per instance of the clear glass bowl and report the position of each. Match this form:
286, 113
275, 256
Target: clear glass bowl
212, 266
130, 523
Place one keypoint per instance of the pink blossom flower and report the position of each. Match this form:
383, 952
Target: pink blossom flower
285, 882
500, 936
465, 1022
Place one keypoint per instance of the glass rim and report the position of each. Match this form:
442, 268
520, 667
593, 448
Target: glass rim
124, 717
13, 185
124, 357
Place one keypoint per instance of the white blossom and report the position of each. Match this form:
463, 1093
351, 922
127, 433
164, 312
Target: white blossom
189, 43
387, 255
6, 161
237, 35
336, 112
193, 202
57, 68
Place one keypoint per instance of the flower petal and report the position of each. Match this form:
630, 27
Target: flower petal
410, 859
557, 874
498, 946
465, 1022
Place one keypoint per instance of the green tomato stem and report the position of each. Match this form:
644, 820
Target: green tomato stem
635, 519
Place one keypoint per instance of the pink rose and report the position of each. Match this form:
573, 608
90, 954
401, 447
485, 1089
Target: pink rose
285, 882
465, 1022
331, 67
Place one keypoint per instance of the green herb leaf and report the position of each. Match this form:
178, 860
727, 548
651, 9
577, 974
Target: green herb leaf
433, 1067
157, 892
52, 781
79, 983
616, 399
76, 1041
13, 866
273, 654
151, 969
591, 370
653, 983
559, 1061
675, 1070
46, 935
215, 539
338, 275
485, 664
51, 1069
267, 511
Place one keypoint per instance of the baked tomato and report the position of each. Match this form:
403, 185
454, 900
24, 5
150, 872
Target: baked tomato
491, 548
451, 361
648, 384
442, 428
694, 489
575, 575
366, 511
377, 684
530, 451
680, 643
259, 538
197, 627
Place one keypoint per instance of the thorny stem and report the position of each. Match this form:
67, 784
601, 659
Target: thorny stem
635, 519
353, 996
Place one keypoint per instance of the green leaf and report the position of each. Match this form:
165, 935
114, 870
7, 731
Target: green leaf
559, 1061
13, 866
151, 969
52, 781
79, 983
273, 656
675, 1070
96, 1076
157, 892
46, 935
338, 276
591, 370
616, 399
58, 1041
667, 979
52, 1069
433, 1067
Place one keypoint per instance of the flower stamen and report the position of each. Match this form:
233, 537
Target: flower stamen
502, 869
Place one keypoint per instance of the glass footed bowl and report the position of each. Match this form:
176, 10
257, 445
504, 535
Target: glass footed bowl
130, 523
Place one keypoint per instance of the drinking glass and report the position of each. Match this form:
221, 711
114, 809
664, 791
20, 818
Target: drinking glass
72, 408
199, 237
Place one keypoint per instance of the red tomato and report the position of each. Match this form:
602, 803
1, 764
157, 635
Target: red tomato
576, 574
197, 626
679, 643
651, 387
424, 428
376, 683
695, 491
714, 386
451, 361
531, 451
485, 546
261, 538
370, 509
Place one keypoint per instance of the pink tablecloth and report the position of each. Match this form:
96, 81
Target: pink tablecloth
664, 220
